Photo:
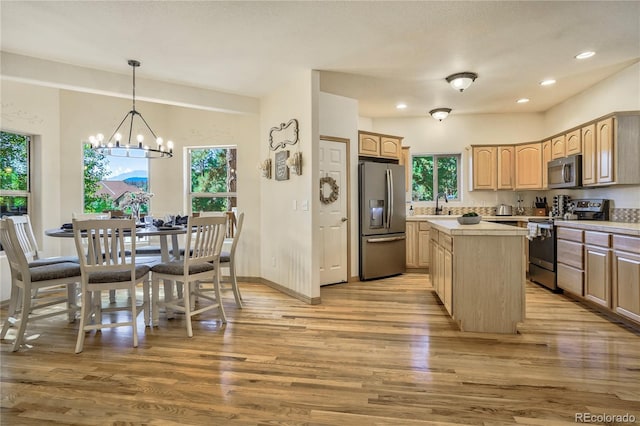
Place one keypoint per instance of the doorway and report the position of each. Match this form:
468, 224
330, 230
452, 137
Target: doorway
334, 210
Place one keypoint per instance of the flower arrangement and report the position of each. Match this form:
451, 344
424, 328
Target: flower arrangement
134, 201
265, 168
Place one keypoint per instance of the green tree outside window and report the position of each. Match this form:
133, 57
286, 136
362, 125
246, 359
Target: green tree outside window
433, 174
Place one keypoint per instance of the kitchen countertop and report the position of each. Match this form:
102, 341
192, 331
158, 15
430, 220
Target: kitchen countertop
422, 217
602, 226
452, 227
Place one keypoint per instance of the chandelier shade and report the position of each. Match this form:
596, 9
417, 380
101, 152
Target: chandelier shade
440, 113
117, 147
462, 80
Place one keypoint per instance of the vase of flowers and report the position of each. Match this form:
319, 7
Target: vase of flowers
134, 202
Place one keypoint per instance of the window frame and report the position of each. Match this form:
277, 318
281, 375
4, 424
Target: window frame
23, 193
190, 196
436, 191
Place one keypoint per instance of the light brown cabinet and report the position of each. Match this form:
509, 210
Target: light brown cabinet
442, 269
597, 269
573, 143
604, 150
558, 147
379, 145
528, 166
484, 167
418, 245
546, 157
506, 167
626, 276
570, 260
405, 160
589, 160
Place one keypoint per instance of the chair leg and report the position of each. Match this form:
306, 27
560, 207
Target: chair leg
72, 303
13, 309
112, 296
218, 293
24, 318
234, 285
155, 288
134, 315
146, 303
85, 311
186, 294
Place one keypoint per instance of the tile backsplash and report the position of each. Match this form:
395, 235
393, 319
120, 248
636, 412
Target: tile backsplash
615, 215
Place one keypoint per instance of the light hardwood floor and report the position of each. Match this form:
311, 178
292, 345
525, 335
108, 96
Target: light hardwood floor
373, 353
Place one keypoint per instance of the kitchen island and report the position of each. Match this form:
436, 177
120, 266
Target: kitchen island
478, 272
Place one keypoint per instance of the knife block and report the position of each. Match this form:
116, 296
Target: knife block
540, 211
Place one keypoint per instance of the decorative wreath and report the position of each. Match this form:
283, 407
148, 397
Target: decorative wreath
335, 190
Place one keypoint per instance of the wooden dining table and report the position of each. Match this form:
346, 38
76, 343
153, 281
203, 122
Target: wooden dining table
163, 232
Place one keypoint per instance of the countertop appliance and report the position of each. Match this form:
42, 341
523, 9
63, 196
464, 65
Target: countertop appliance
382, 219
565, 172
504, 210
542, 239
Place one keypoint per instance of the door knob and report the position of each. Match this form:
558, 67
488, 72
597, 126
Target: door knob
344, 219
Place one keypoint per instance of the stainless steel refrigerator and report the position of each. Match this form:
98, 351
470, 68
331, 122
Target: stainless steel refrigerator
382, 219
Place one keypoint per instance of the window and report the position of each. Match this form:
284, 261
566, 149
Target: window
212, 177
108, 179
14, 174
433, 174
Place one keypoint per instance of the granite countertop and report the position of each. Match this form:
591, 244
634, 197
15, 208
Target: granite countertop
423, 217
603, 226
452, 227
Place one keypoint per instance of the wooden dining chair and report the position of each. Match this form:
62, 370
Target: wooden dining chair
201, 262
106, 265
26, 280
29, 245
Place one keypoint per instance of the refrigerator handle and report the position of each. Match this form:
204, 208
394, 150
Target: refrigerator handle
390, 196
387, 200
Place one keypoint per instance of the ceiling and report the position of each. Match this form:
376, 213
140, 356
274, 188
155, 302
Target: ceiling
380, 53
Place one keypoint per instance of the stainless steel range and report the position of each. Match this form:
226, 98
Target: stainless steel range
542, 239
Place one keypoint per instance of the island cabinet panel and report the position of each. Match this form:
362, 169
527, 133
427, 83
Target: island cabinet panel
529, 166
479, 294
573, 143
626, 276
506, 167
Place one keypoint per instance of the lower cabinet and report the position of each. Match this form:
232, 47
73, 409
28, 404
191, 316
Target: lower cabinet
418, 247
626, 276
442, 268
610, 271
597, 267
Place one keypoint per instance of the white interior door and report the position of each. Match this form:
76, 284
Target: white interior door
333, 212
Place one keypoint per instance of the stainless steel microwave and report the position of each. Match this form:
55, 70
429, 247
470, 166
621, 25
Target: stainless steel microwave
565, 172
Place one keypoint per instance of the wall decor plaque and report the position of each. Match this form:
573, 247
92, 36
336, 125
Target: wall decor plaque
281, 168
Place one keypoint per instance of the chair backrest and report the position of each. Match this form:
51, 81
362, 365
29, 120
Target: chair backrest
85, 216
10, 243
24, 233
231, 220
205, 239
101, 245
236, 237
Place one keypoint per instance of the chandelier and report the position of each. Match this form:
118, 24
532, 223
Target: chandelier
116, 147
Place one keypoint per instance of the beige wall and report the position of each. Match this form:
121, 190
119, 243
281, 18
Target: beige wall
287, 233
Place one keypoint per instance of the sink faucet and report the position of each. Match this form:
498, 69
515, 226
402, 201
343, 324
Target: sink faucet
443, 195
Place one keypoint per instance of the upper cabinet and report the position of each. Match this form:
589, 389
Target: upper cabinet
405, 160
484, 167
529, 166
558, 147
379, 145
506, 167
611, 151
546, 157
573, 143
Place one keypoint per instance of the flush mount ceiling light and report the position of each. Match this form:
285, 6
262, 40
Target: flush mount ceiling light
522, 100
585, 55
115, 147
547, 82
401, 106
440, 113
461, 80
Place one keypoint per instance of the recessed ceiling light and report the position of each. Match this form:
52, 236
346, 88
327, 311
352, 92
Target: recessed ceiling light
522, 100
401, 106
547, 82
585, 55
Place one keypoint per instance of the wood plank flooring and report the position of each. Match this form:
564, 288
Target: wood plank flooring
373, 353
